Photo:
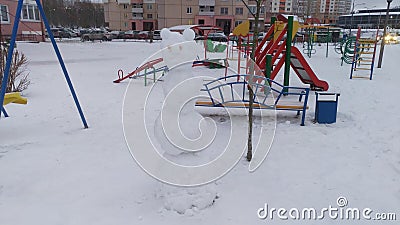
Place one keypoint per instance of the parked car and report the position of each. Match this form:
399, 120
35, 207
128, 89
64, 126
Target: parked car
97, 35
70, 33
214, 37
117, 34
83, 31
261, 36
131, 34
60, 32
157, 35
143, 35
250, 38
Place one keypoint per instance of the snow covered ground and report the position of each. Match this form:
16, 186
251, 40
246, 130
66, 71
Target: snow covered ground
54, 172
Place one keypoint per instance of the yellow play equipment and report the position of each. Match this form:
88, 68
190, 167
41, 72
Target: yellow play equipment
13, 97
281, 25
242, 29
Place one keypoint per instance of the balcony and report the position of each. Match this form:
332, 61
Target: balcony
206, 10
124, 1
149, 1
137, 10
137, 17
207, 2
206, 13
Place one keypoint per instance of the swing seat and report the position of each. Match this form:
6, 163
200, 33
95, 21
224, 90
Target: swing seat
14, 97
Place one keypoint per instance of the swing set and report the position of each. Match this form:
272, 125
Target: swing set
17, 98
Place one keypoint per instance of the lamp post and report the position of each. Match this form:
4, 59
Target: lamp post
384, 34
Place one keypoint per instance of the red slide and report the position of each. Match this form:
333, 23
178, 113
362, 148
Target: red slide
304, 71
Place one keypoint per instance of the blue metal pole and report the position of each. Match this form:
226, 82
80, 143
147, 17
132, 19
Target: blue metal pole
60, 59
4, 112
10, 55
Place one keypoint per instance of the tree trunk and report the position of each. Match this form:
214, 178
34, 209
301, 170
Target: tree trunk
249, 86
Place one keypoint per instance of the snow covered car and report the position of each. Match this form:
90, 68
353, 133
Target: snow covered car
97, 35
214, 37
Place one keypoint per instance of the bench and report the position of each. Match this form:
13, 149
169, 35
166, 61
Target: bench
267, 95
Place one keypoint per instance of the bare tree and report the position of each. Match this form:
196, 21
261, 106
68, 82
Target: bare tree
18, 79
256, 15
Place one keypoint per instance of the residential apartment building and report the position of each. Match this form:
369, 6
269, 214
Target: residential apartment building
281, 6
30, 27
144, 15
322, 11
157, 14
130, 14
222, 13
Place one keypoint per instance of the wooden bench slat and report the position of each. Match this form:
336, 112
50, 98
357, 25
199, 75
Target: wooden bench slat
246, 105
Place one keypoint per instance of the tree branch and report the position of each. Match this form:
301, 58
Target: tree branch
247, 6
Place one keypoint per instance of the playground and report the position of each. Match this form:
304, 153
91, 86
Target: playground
52, 171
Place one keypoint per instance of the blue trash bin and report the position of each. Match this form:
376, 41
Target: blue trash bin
326, 107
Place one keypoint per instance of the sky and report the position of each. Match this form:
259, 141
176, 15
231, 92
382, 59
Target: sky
373, 3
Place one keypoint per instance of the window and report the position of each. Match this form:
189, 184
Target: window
224, 11
125, 6
30, 12
189, 10
253, 9
149, 16
237, 22
239, 11
4, 13
149, 6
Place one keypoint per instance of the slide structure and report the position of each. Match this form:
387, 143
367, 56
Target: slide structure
274, 43
304, 71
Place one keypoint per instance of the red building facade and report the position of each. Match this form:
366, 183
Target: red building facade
30, 27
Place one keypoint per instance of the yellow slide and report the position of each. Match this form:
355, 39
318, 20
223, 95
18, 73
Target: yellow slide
14, 97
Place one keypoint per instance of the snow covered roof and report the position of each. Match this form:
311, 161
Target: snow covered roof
373, 14
198, 27
180, 27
